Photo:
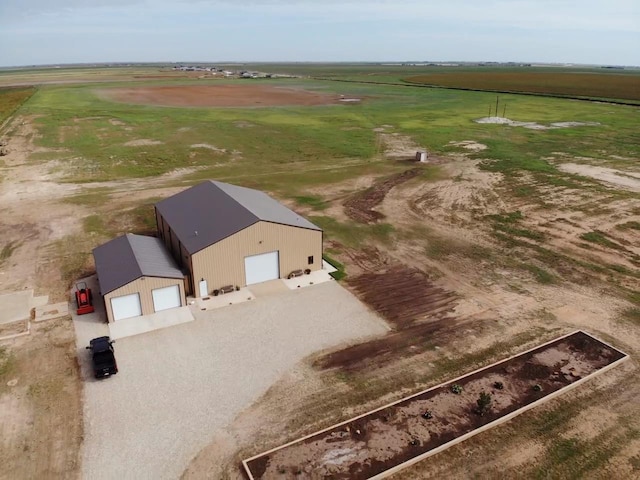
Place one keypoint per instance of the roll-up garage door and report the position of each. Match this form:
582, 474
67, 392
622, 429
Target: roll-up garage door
165, 298
127, 306
261, 268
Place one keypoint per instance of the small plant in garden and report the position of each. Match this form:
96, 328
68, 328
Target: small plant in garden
457, 389
427, 415
537, 387
484, 403
498, 385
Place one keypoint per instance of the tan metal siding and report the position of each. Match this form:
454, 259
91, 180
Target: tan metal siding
223, 263
143, 286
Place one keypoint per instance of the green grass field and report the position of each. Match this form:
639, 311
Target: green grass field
11, 99
302, 145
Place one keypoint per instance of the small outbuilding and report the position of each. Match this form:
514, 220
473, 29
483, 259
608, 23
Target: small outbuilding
137, 276
225, 235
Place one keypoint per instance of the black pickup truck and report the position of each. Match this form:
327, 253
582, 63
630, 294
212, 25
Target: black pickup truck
103, 359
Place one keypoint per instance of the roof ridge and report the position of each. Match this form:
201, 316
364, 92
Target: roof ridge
215, 184
133, 252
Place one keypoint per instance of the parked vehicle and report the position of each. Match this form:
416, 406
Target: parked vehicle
102, 357
84, 299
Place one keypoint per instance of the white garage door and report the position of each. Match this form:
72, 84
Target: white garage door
260, 268
167, 297
126, 306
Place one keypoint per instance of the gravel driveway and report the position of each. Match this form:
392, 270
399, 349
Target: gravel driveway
177, 387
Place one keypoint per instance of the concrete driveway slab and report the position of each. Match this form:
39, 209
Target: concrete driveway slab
178, 387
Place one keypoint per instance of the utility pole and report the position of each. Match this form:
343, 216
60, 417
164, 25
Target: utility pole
497, 105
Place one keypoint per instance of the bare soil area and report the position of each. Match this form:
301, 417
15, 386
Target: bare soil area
534, 125
626, 180
219, 96
40, 404
403, 295
33, 216
360, 206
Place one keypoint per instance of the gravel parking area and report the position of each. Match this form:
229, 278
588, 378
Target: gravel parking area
178, 386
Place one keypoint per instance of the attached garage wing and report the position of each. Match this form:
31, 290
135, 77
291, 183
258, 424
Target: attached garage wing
165, 298
261, 268
127, 306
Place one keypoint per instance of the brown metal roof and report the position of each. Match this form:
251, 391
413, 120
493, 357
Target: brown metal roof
129, 257
212, 211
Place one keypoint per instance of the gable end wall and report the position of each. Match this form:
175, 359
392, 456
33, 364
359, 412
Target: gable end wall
143, 286
222, 263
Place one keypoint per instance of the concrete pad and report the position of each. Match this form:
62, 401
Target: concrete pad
49, 312
15, 306
328, 267
39, 301
314, 278
268, 288
224, 300
147, 323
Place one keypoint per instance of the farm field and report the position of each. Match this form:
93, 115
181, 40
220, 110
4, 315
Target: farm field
507, 237
618, 86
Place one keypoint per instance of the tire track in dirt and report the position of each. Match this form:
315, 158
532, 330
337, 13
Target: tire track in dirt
359, 207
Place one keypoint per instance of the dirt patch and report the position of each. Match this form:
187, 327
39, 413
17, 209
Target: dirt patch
360, 206
469, 145
33, 214
403, 295
219, 96
369, 445
627, 180
14, 328
534, 125
142, 142
209, 147
407, 342
40, 404
396, 146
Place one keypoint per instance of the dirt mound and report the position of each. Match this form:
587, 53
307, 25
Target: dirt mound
218, 96
360, 206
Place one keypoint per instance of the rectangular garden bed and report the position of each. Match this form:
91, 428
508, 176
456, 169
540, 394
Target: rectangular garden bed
395, 436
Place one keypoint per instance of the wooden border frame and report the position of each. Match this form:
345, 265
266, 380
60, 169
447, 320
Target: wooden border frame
467, 435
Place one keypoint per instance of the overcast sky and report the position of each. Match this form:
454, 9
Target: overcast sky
78, 31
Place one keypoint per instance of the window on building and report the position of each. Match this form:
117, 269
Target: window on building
310, 260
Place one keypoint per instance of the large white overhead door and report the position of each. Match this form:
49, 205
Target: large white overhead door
127, 306
165, 298
261, 268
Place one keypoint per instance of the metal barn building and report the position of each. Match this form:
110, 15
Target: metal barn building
137, 277
223, 235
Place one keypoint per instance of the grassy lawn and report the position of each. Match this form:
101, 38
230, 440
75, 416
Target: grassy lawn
11, 99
